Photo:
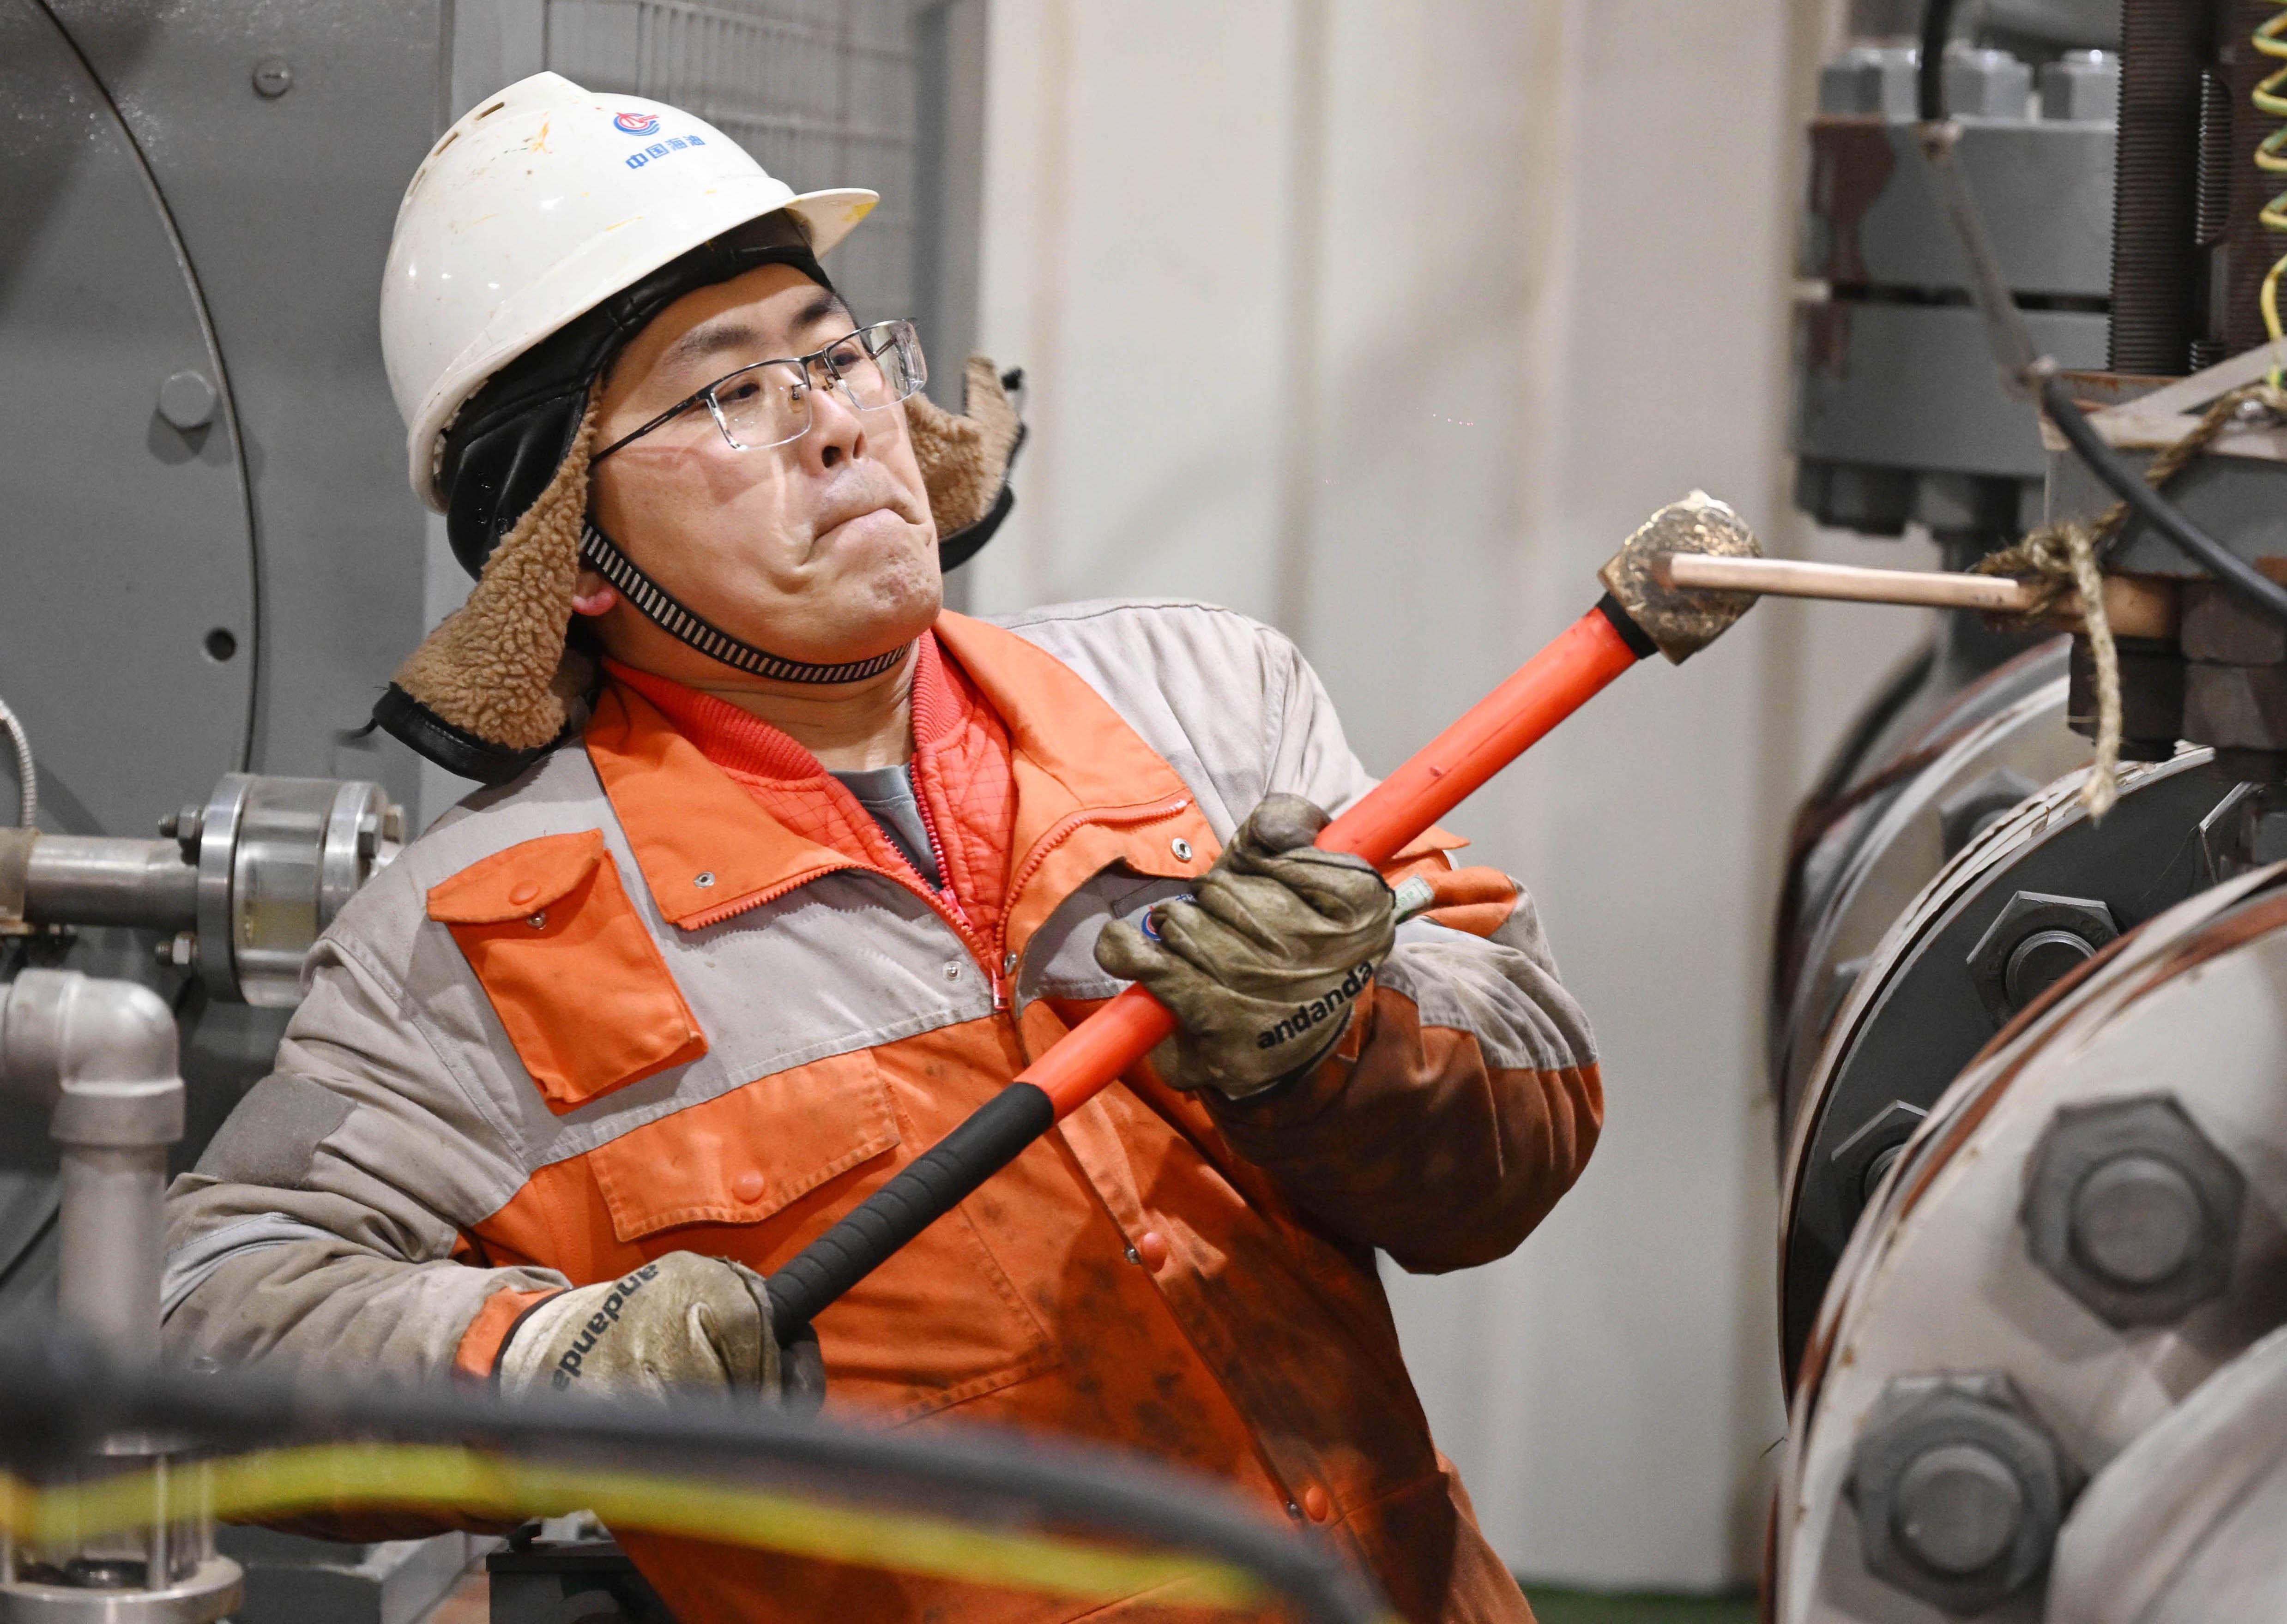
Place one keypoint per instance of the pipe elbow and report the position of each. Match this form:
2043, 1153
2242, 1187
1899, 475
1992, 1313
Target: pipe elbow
118, 1032
61, 1031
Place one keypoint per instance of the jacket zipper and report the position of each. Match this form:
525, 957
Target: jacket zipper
952, 898
1065, 826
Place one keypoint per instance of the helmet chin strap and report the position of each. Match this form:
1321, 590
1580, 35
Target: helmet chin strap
685, 625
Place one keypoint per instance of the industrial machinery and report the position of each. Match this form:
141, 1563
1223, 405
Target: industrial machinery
2015, 911
1886, 821
214, 565
2083, 1233
2029, 1256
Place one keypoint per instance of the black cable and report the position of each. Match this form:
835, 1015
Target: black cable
1929, 75
55, 1397
2241, 578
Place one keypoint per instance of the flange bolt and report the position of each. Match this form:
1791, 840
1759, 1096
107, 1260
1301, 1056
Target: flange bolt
2136, 1220
1959, 1490
1955, 1509
2133, 1209
2040, 961
2034, 943
183, 828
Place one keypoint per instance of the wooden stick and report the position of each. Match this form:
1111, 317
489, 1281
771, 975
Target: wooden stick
1799, 579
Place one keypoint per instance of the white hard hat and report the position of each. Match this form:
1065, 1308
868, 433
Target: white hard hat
540, 204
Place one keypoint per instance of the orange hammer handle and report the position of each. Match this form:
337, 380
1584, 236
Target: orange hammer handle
1544, 692
1493, 732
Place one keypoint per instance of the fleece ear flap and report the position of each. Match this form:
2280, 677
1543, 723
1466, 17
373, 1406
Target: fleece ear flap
965, 460
493, 687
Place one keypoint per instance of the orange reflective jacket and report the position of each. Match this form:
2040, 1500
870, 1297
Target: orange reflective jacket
721, 1011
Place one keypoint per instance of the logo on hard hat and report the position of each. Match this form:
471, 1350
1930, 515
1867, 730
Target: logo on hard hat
638, 123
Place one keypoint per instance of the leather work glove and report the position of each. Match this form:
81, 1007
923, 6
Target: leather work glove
681, 1323
1263, 964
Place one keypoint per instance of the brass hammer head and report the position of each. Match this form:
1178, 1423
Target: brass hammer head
1681, 621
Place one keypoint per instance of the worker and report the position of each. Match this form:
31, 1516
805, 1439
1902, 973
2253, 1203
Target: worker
784, 871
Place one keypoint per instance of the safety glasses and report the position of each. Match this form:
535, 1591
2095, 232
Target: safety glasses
768, 402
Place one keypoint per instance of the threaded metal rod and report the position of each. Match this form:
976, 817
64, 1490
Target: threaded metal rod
2156, 192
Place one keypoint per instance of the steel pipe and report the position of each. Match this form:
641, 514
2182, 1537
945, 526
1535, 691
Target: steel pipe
100, 879
102, 1055
252, 878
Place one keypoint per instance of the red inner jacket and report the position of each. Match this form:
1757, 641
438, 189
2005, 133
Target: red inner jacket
960, 771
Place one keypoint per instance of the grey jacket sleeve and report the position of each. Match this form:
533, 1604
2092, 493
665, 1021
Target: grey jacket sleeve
1466, 1097
1234, 708
320, 1225
1501, 988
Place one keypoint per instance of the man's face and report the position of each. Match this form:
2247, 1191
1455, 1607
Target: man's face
821, 550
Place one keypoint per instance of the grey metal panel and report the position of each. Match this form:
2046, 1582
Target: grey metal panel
2242, 501
2043, 188
951, 41
124, 541
285, 204
823, 92
290, 1580
1914, 386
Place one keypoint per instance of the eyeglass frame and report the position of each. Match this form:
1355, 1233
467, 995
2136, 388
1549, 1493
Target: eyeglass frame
706, 396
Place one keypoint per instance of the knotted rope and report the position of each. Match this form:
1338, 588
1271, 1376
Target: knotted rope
2058, 559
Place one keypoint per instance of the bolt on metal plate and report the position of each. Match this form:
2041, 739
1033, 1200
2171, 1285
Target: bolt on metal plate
2036, 940
1959, 1490
2133, 1209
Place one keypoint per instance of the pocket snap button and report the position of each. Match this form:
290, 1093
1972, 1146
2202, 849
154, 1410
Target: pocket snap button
704, 881
1181, 847
748, 1186
1152, 1250
1315, 1504
524, 893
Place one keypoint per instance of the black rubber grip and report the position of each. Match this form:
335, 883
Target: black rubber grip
1639, 641
993, 1137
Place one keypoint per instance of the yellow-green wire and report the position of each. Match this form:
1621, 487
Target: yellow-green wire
338, 1477
2270, 99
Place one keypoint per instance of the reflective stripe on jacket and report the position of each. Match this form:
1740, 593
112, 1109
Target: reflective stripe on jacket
615, 1009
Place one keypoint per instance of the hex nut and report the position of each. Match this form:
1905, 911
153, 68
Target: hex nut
184, 827
1856, 1165
2034, 940
2082, 85
1959, 1490
1978, 805
1866, 79
2133, 1209
1983, 83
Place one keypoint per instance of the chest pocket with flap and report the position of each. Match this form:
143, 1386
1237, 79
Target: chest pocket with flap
569, 965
